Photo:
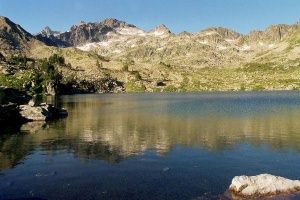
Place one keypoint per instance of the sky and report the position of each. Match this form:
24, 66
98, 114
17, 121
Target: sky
179, 15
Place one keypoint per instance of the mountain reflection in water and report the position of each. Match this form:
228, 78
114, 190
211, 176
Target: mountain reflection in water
115, 127
152, 146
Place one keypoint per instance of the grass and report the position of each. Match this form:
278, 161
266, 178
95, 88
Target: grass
250, 78
20, 80
133, 87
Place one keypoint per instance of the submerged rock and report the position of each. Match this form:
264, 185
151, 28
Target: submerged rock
166, 169
263, 185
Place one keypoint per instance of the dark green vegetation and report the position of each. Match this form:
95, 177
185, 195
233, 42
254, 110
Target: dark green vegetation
9, 110
45, 76
32, 75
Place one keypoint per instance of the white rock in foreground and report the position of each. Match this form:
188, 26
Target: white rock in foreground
263, 185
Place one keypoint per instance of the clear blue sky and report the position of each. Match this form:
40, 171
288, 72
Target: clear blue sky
178, 15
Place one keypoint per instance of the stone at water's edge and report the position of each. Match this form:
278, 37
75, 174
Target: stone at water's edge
39, 113
263, 185
42, 112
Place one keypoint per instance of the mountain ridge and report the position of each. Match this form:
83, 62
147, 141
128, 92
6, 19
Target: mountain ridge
115, 23
215, 58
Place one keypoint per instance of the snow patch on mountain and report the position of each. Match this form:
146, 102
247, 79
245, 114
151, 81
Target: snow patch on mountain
88, 46
131, 31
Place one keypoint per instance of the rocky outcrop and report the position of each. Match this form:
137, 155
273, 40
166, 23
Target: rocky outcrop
273, 33
47, 31
263, 185
105, 85
161, 31
17, 108
50, 38
82, 33
42, 112
13, 38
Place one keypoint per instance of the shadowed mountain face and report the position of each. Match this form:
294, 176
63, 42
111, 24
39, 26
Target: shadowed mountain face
13, 38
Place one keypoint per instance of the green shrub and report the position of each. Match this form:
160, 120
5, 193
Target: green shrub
170, 88
56, 59
99, 65
133, 86
125, 67
258, 88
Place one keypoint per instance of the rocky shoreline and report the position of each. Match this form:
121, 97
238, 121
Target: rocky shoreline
16, 108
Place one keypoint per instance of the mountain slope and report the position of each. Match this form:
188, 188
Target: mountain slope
158, 60
212, 47
13, 38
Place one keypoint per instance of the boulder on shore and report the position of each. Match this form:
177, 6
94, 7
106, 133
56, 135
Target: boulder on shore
16, 108
42, 112
263, 185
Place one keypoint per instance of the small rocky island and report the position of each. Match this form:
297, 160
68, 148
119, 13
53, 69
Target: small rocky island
262, 186
17, 107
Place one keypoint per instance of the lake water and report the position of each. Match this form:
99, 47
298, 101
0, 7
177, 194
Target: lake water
152, 146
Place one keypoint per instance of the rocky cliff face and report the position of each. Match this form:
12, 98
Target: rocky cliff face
273, 33
210, 47
82, 33
47, 31
50, 37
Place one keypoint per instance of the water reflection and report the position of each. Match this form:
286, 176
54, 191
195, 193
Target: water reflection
115, 127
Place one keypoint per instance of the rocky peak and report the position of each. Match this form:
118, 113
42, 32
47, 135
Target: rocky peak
4, 21
8, 26
223, 32
185, 33
13, 38
277, 32
161, 31
114, 23
47, 31
81, 25
274, 33
162, 28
